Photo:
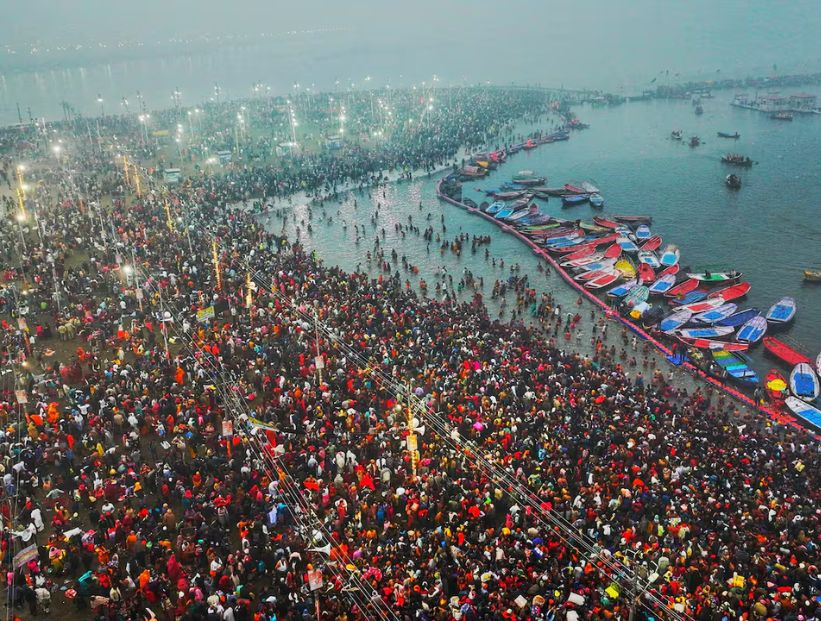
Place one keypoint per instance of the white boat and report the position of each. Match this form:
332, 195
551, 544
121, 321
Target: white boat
804, 411
649, 258
670, 256
716, 314
804, 383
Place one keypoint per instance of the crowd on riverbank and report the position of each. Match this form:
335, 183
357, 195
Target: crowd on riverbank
144, 503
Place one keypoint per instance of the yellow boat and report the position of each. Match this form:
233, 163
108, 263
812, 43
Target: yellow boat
812, 275
482, 163
626, 267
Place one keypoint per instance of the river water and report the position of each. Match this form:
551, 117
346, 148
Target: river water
770, 229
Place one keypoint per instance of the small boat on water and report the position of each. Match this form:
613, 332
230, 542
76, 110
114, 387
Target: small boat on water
776, 385
626, 268
643, 233
784, 352
635, 296
593, 274
663, 284
713, 344
716, 314
782, 116
703, 305
603, 281
736, 365
733, 292
589, 187
649, 258
608, 224
571, 200
581, 262
596, 200
623, 289
739, 318
735, 135
633, 219
733, 182
676, 134
683, 288
695, 141
508, 196
670, 256
803, 410
709, 277
675, 320
495, 207
752, 331
627, 245
804, 383
575, 189
782, 311
527, 178
646, 273
736, 159
613, 251
651, 244
812, 275
699, 110
705, 333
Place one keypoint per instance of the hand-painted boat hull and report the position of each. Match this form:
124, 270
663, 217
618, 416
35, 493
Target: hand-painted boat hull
804, 383
752, 331
735, 366
784, 352
782, 311
683, 288
675, 320
704, 333
663, 284
716, 314
732, 292
739, 318
692, 297
623, 289
715, 277
806, 412
651, 244
713, 345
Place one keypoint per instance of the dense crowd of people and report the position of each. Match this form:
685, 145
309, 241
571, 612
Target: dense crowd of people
187, 442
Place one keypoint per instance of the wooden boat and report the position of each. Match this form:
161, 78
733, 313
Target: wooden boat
649, 258
782, 311
812, 275
626, 268
651, 244
604, 264
472, 172
736, 159
683, 288
504, 213
627, 245
713, 345
784, 352
593, 258
532, 210
643, 233
716, 314
736, 135
495, 207
552, 191
507, 196
739, 318
574, 189
704, 305
736, 366
733, 292
619, 291
596, 200
752, 331
697, 295
708, 277
804, 411
581, 253
782, 116
695, 141
530, 181
670, 255
594, 274
676, 134
613, 251
705, 333
646, 273
634, 219
571, 200
652, 316
663, 284
603, 280
804, 383
675, 320
775, 384
636, 295
609, 224
733, 182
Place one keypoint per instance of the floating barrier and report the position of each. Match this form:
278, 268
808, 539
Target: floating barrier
775, 415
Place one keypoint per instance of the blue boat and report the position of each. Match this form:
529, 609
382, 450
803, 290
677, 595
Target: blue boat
623, 289
736, 366
782, 311
597, 201
803, 382
496, 207
752, 331
716, 314
627, 245
675, 320
739, 318
575, 199
804, 411
689, 298
504, 213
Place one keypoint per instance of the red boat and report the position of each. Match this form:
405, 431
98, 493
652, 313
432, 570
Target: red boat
613, 251
714, 345
580, 253
608, 224
673, 269
574, 189
652, 244
732, 292
646, 273
776, 386
683, 288
784, 352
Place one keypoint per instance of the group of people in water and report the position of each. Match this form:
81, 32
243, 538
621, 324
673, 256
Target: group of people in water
236, 431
